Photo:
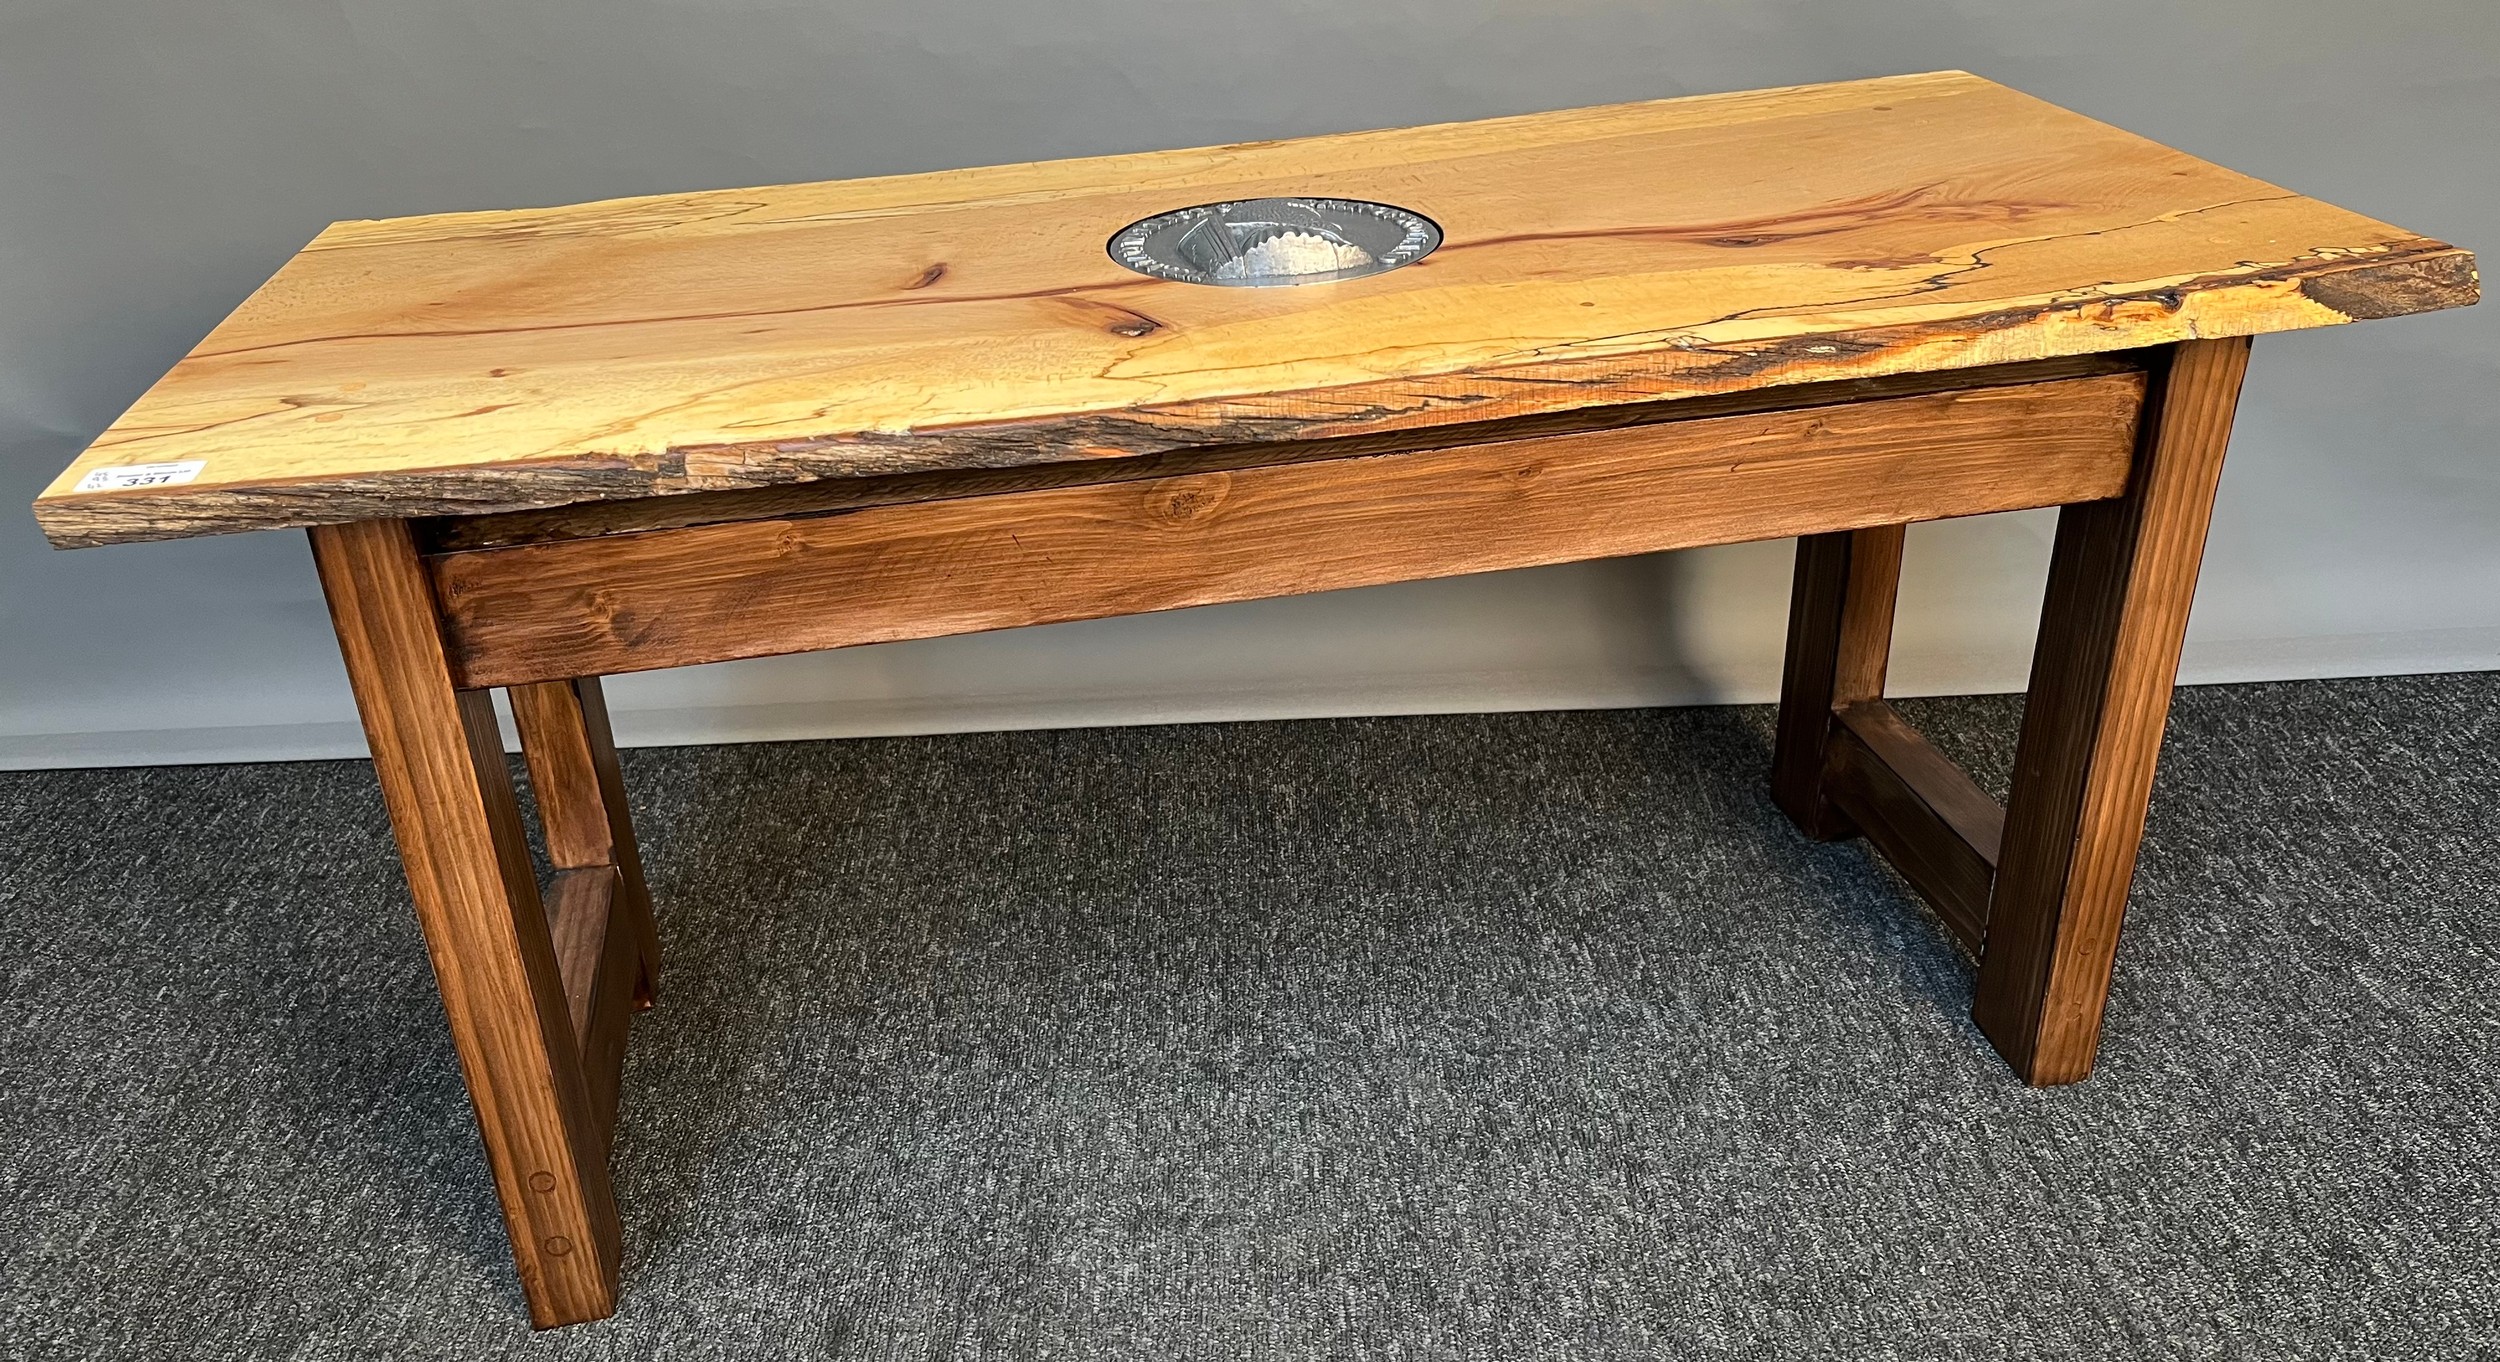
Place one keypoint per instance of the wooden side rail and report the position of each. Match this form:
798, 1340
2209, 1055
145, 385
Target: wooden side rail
597, 954
597, 906
580, 786
668, 598
1927, 817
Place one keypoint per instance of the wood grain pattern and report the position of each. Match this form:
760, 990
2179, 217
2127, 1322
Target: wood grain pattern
601, 964
579, 904
583, 520
565, 739
476, 362
2121, 577
1840, 611
1927, 817
673, 597
441, 766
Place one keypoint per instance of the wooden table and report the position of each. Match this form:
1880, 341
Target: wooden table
537, 447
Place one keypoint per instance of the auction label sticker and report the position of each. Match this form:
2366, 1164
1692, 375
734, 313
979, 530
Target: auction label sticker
139, 475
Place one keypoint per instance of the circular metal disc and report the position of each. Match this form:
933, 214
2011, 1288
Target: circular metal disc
1271, 243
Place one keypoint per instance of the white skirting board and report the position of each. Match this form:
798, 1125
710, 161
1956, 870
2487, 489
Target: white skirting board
186, 667
1296, 698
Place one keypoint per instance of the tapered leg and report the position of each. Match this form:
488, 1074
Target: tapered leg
2120, 581
581, 801
442, 771
1839, 639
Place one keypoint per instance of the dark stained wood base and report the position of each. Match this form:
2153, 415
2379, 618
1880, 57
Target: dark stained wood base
1936, 826
540, 989
2037, 889
2121, 578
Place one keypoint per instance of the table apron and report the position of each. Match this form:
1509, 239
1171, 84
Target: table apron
709, 593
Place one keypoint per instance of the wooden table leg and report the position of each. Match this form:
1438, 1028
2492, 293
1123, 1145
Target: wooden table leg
441, 767
1839, 640
581, 802
2120, 581
606, 946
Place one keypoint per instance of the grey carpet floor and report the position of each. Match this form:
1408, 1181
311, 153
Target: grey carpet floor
1515, 1036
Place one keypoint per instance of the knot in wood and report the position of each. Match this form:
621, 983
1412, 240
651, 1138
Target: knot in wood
1184, 501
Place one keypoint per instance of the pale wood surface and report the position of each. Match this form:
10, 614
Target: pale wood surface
666, 598
702, 341
2121, 578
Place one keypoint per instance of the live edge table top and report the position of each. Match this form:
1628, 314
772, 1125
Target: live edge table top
477, 362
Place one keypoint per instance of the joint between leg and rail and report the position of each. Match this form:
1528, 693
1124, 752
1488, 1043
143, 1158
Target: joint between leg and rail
595, 952
1920, 810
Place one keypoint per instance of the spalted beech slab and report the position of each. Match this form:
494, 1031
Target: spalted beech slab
484, 362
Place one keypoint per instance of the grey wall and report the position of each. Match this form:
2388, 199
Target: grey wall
158, 158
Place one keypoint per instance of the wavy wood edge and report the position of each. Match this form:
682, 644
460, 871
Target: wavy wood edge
675, 597
588, 519
2420, 276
